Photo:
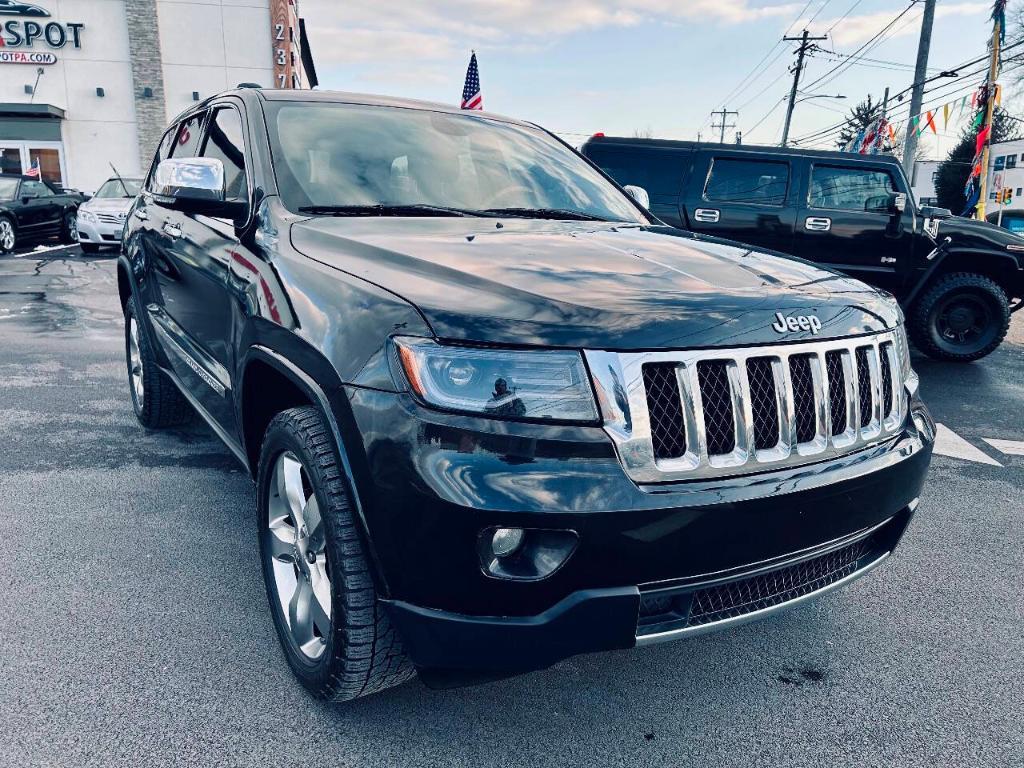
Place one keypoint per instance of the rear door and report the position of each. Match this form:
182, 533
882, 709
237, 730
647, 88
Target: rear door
845, 222
659, 170
742, 196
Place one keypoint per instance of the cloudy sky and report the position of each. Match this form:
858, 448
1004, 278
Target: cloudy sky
658, 66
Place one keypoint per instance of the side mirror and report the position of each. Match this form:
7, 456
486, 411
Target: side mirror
931, 212
193, 185
639, 194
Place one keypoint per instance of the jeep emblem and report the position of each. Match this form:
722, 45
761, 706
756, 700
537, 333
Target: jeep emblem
798, 323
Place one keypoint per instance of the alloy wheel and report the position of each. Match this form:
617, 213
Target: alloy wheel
6, 235
298, 556
72, 227
135, 362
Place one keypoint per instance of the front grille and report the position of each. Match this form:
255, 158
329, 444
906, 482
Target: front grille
886, 370
716, 396
836, 391
667, 425
689, 607
864, 392
803, 397
109, 218
763, 404
720, 412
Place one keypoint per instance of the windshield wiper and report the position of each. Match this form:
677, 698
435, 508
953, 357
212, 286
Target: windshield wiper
385, 210
546, 213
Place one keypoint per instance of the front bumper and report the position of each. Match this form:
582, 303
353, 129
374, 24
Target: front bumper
431, 482
99, 233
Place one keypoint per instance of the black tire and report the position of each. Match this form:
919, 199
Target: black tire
159, 404
10, 236
89, 247
961, 317
360, 652
69, 228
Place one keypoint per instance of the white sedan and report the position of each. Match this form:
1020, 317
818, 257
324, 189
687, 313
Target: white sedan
101, 219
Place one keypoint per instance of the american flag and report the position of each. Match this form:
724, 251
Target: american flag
35, 171
471, 96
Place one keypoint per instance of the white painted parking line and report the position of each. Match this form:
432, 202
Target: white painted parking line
44, 249
1009, 447
949, 443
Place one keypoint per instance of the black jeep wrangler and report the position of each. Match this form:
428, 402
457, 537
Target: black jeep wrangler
496, 414
956, 278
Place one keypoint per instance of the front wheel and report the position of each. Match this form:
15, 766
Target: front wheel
8, 235
961, 317
335, 633
69, 228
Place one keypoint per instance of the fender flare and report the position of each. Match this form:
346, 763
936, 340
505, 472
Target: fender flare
933, 268
320, 399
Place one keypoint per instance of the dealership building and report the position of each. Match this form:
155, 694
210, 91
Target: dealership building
90, 84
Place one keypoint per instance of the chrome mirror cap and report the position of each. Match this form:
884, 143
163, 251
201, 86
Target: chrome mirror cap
639, 194
193, 179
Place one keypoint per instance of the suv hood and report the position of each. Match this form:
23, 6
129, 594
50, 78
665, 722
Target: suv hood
590, 285
979, 234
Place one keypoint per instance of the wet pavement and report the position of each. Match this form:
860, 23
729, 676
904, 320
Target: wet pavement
136, 629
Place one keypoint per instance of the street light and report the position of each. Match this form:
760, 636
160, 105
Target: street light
820, 96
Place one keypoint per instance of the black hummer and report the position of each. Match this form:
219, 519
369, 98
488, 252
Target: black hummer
853, 213
496, 414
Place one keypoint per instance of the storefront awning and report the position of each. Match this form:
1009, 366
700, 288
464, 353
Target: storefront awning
30, 122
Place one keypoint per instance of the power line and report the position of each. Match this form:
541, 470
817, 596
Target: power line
801, 52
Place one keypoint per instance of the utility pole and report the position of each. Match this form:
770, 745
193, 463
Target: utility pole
804, 39
722, 126
990, 106
920, 75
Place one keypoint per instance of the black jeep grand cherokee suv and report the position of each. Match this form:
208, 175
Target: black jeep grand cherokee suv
496, 413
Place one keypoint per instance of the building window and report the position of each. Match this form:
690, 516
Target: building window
1018, 191
1011, 161
991, 195
1000, 162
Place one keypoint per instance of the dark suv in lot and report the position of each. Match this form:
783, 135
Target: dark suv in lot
848, 212
497, 415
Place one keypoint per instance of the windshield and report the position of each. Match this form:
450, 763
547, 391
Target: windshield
118, 188
8, 188
341, 155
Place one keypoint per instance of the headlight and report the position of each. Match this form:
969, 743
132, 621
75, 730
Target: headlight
88, 216
502, 383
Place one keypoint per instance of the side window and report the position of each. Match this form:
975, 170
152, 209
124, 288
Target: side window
162, 153
850, 189
186, 139
225, 143
747, 181
656, 171
35, 189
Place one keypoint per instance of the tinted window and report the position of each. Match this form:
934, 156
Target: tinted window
1011, 161
354, 155
35, 189
850, 189
657, 172
186, 140
224, 142
747, 181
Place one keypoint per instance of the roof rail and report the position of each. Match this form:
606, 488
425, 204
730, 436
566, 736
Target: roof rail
248, 85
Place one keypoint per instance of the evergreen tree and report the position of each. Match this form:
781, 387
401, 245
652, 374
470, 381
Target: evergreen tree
860, 117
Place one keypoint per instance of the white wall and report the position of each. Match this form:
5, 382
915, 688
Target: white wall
97, 130
212, 45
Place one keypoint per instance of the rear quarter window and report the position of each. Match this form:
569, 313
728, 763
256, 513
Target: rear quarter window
658, 172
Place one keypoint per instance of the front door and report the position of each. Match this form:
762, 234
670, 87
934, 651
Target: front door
846, 223
742, 197
19, 157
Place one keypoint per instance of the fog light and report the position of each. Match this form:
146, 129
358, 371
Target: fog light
506, 541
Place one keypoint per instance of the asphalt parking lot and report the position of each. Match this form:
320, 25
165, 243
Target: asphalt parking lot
136, 630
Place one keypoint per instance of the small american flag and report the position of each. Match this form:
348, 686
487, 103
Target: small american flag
35, 171
471, 96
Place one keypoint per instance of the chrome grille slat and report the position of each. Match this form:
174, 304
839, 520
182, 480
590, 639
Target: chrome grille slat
840, 409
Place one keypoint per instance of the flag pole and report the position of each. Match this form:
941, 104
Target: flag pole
990, 105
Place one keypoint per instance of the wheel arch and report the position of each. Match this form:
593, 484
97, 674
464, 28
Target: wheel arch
294, 386
125, 284
999, 267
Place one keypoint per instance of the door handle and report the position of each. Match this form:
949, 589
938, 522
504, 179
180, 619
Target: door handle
707, 215
173, 230
818, 224
141, 215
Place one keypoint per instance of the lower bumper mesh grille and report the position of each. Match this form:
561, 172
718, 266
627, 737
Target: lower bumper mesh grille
719, 602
